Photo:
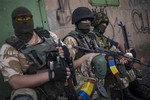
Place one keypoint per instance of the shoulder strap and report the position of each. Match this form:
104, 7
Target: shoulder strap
42, 32
18, 44
69, 34
15, 42
73, 34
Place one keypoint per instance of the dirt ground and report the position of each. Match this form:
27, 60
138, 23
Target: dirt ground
144, 71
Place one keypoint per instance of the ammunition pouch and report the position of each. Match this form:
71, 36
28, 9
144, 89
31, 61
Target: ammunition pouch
122, 70
131, 75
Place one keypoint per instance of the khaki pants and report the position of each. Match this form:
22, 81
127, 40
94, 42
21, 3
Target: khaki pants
24, 91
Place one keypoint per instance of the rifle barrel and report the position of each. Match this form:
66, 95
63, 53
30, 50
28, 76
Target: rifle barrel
102, 50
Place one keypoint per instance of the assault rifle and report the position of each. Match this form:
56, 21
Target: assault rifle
114, 54
67, 62
126, 41
125, 36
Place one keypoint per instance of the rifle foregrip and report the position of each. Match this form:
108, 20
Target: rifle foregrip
73, 75
74, 80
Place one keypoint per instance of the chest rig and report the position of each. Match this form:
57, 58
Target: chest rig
103, 42
36, 54
82, 40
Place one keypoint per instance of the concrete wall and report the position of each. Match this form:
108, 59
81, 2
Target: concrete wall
59, 16
133, 13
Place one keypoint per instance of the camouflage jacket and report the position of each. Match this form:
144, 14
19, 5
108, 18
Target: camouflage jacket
14, 62
83, 72
107, 43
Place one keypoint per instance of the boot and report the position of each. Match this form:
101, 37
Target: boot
127, 95
138, 91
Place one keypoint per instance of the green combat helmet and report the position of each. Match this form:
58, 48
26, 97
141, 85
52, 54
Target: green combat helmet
100, 17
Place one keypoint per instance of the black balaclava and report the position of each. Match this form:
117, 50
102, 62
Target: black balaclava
23, 29
83, 27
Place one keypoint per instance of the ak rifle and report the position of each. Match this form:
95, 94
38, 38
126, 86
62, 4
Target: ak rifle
125, 36
67, 62
126, 40
115, 54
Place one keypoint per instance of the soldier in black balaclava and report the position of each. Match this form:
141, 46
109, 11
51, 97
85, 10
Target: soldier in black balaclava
23, 23
28, 64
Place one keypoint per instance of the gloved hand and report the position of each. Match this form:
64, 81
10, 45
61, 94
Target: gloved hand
58, 74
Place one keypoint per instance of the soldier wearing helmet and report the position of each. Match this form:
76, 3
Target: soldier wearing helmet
82, 18
88, 65
100, 24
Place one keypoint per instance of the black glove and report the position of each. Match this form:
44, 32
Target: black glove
66, 52
60, 74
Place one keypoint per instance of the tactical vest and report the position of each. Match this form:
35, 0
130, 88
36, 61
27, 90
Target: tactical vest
82, 40
98, 63
103, 42
106, 42
37, 55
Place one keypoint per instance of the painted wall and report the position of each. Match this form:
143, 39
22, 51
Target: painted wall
134, 14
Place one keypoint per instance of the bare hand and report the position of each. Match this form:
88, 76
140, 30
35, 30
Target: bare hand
123, 61
87, 56
68, 73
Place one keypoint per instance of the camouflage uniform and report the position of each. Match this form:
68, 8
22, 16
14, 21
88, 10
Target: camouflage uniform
94, 65
104, 43
100, 23
84, 71
14, 62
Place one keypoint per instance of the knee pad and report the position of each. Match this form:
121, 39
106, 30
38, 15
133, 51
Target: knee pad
99, 66
22, 97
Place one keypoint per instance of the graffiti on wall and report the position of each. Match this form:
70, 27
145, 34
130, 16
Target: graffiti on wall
63, 12
140, 22
133, 3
